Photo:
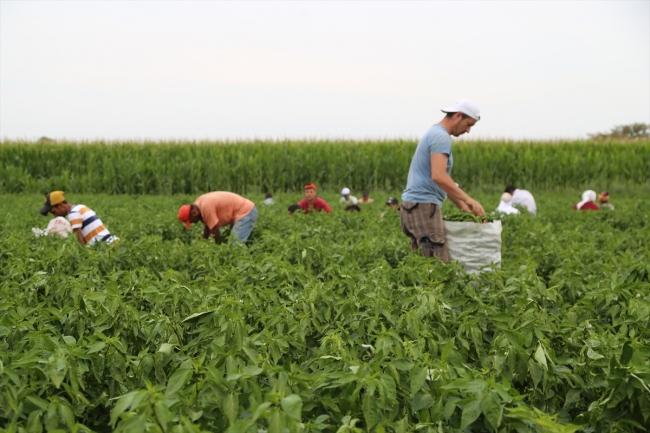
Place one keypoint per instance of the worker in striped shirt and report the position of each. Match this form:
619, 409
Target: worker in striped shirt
84, 222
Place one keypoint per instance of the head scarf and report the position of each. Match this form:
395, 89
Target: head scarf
505, 205
587, 196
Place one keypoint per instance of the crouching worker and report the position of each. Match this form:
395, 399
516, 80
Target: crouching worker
218, 209
83, 221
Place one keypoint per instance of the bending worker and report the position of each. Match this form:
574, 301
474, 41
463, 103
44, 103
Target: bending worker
429, 182
83, 221
218, 209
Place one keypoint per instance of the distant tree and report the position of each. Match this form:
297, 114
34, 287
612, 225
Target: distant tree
634, 130
45, 140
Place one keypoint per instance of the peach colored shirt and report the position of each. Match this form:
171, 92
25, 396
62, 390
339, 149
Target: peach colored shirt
221, 208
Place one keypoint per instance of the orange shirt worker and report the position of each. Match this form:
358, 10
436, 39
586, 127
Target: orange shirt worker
218, 209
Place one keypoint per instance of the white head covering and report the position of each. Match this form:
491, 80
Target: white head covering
345, 191
587, 196
505, 206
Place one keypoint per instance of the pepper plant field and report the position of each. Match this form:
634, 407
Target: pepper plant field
324, 323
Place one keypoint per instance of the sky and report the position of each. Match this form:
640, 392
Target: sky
168, 70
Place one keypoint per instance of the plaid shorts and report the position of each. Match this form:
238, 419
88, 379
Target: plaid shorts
423, 224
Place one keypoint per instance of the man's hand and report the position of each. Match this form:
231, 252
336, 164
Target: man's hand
206, 232
474, 207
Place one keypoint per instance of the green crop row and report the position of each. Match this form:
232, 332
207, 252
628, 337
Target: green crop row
187, 168
323, 323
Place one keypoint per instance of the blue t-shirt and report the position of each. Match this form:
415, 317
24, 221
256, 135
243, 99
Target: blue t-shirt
419, 186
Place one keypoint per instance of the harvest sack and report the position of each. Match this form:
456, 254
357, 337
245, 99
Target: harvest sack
474, 245
58, 225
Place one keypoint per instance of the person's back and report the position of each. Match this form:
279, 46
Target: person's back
92, 228
523, 198
587, 202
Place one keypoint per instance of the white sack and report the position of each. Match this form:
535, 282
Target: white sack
474, 245
58, 225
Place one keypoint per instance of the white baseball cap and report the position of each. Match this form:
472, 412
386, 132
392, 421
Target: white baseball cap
465, 106
345, 191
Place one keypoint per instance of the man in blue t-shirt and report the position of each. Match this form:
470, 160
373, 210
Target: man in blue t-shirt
429, 182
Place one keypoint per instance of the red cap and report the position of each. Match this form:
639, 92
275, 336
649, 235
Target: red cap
310, 186
184, 215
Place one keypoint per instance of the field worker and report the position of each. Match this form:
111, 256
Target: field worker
603, 199
347, 198
293, 208
391, 203
505, 206
312, 201
523, 198
218, 209
365, 197
83, 221
268, 199
587, 202
429, 182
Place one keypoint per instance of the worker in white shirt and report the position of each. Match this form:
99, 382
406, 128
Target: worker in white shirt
523, 198
346, 198
505, 206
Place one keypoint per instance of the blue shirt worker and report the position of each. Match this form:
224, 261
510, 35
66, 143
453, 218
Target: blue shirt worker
429, 182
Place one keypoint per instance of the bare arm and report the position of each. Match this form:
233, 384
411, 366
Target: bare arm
206, 232
80, 236
458, 196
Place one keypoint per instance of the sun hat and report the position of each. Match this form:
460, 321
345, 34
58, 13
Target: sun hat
52, 199
465, 106
391, 200
345, 191
184, 215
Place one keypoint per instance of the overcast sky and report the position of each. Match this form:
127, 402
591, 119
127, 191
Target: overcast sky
232, 70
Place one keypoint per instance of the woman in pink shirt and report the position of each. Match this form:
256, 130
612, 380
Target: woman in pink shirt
311, 201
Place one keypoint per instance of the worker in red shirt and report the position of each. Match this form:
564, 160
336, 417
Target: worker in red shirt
588, 201
311, 201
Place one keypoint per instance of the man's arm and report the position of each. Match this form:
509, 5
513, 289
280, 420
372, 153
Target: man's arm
80, 236
439, 175
206, 232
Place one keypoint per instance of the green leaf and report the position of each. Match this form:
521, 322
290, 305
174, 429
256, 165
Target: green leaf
178, 380
402, 364
163, 415
252, 370
230, 406
96, 347
471, 412
67, 415
34, 422
421, 401
572, 396
592, 354
196, 315
418, 378
166, 348
627, 353
492, 409
292, 406
69, 340
370, 411
275, 421
122, 404
541, 357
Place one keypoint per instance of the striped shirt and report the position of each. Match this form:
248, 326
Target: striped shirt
92, 228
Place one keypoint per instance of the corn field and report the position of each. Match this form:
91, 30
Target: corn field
252, 167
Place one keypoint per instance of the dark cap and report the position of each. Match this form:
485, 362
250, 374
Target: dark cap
391, 200
52, 199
